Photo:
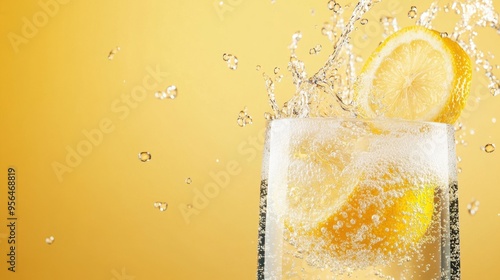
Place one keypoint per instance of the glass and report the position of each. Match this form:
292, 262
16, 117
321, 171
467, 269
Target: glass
355, 199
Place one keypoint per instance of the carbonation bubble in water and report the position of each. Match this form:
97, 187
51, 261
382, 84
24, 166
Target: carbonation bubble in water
189, 180
473, 207
364, 21
161, 95
144, 156
493, 120
276, 70
489, 148
49, 240
171, 92
258, 67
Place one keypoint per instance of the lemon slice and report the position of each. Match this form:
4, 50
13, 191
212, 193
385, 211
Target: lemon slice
377, 222
415, 74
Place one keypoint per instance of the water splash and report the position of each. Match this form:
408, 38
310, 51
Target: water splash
329, 92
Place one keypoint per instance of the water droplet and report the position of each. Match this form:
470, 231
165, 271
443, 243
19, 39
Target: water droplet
334, 6
144, 156
276, 70
258, 67
162, 206
231, 60
188, 180
459, 170
473, 207
161, 95
171, 92
244, 118
489, 148
413, 12
364, 21
112, 53
49, 240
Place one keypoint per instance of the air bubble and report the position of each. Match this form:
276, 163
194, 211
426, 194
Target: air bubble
444, 34
489, 148
49, 240
144, 156
364, 21
276, 70
171, 92
494, 120
258, 67
189, 180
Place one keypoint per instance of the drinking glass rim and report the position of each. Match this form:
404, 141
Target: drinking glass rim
380, 120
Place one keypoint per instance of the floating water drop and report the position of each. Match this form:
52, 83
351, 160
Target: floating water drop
334, 6
473, 207
413, 12
49, 240
231, 60
363, 21
161, 95
489, 148
171, 92
162, 206
144, 156
244, 118
112, 53
189, 180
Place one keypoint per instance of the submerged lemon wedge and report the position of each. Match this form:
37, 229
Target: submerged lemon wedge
415, 74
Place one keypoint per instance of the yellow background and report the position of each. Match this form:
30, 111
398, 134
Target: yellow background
59, 83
